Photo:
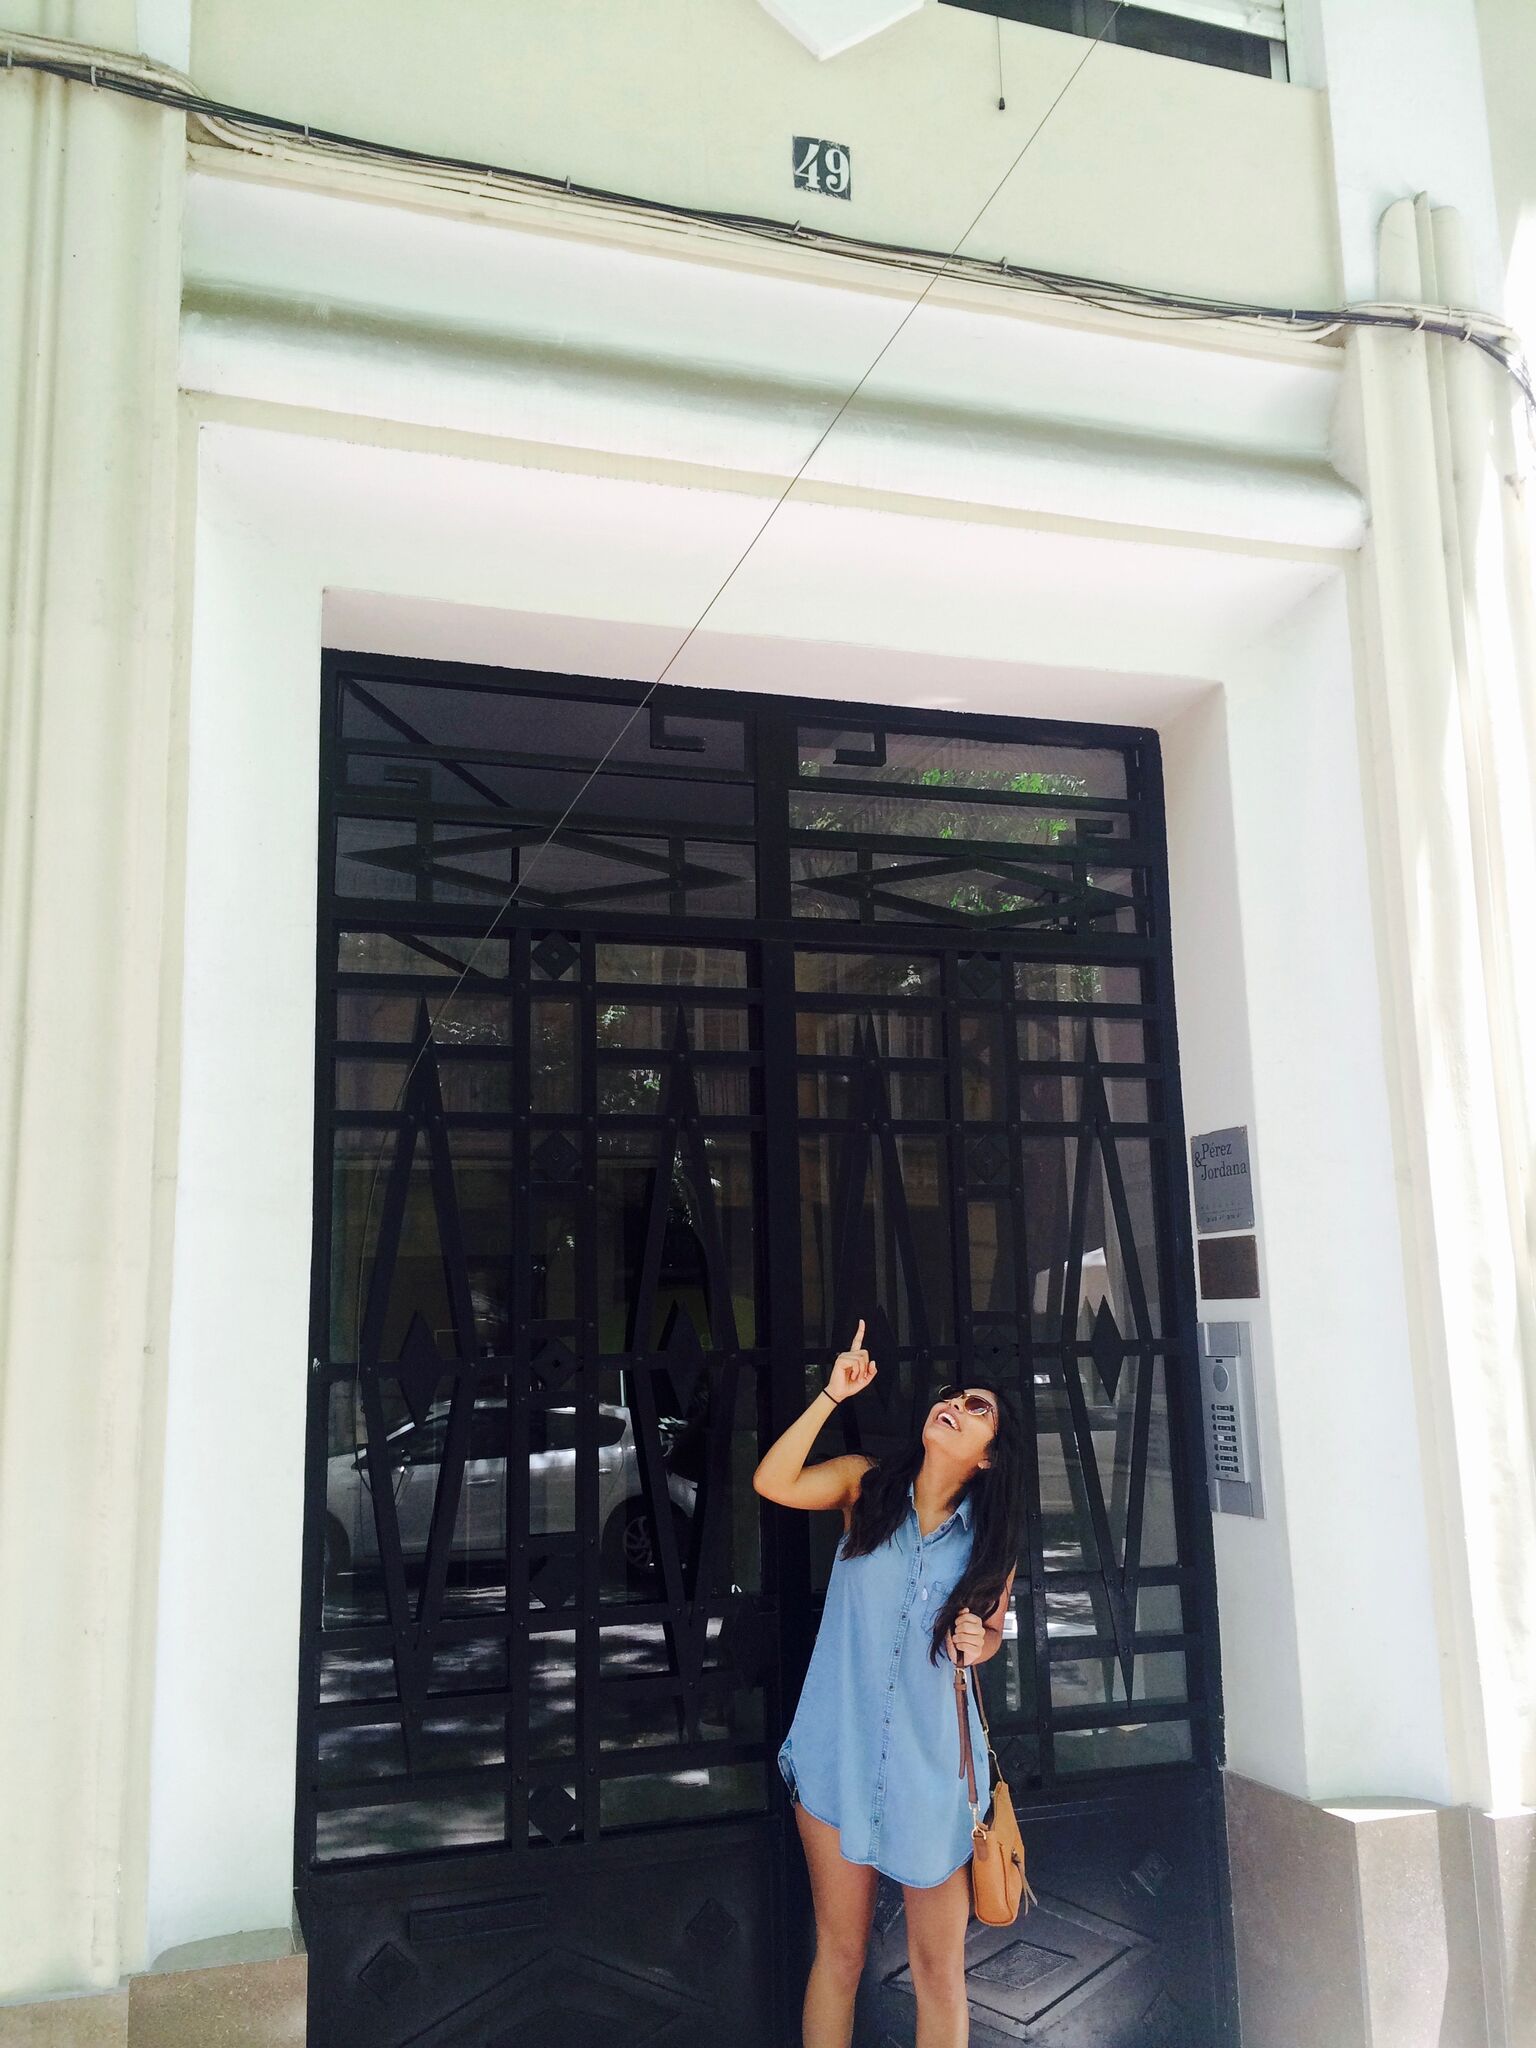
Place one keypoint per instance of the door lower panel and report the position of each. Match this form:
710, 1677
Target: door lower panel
666, 1944
1122, 1950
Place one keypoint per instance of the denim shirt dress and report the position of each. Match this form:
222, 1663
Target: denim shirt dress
874, 1747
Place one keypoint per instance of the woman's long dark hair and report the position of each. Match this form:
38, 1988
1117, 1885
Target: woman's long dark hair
995, 1497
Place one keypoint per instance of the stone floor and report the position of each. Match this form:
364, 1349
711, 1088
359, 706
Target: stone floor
235, 2005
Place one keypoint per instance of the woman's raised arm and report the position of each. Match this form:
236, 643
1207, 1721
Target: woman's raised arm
782, 1476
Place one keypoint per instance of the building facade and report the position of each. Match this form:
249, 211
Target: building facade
1008, 668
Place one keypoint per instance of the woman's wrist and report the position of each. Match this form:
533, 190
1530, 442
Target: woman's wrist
836, 1403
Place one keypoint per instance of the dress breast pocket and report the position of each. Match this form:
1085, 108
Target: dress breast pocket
938, 1587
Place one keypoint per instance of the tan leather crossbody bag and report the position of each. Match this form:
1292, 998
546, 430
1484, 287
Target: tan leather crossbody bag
998, 1883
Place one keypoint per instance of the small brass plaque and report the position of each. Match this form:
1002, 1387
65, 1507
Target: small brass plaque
1229, 1268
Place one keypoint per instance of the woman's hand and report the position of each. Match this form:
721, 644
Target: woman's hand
782, 1474
968, 1638
852, 1369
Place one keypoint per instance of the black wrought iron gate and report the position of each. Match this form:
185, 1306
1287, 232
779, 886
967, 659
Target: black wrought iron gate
808, 1012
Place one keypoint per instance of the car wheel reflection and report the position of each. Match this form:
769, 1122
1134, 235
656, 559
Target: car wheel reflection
629, 1543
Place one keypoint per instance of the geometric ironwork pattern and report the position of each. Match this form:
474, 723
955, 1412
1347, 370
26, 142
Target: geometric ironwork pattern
556, 1158
974, 886
987, 1161
805, 1014
416, 1373
712, 1926
387, 1973
561, 1995
1152, 1872
555, 955
981, 976
553, 1812
1092, 1381
888, 1289
1164, 2023
1036, 1973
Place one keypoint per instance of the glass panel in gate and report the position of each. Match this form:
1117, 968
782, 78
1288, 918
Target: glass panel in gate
984, 1171
540, 1610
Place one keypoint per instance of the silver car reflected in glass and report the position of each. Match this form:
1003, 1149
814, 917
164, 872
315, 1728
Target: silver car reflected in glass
415, 1453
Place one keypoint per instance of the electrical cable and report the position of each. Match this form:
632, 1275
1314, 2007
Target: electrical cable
247, 129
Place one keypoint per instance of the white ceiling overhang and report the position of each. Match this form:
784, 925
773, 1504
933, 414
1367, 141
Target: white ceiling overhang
828, 27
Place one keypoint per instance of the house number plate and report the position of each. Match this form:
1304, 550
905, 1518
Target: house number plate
823, 167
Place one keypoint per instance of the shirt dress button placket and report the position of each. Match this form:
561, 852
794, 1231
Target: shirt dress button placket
914, 1571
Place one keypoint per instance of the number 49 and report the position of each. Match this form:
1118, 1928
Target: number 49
823, 167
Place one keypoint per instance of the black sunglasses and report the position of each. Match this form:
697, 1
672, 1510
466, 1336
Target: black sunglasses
973, 1404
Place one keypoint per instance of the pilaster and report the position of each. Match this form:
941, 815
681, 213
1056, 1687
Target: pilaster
90, 189
1445, 671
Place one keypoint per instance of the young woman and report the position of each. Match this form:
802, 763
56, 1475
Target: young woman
920, 1583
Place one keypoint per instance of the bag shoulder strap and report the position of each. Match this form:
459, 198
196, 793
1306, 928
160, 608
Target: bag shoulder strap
976, 1689
967, 1762
982, 1717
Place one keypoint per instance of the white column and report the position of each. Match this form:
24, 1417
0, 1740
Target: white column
1447, 667
90, 189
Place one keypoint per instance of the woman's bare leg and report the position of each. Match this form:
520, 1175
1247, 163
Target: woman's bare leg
937, 1917
843, 1894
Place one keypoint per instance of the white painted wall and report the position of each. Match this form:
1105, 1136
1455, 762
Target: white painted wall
1508, 33
1407, 113
226, 1665
1348, 1440
1278, 993
1151, 170
164, 31
1260, 1626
